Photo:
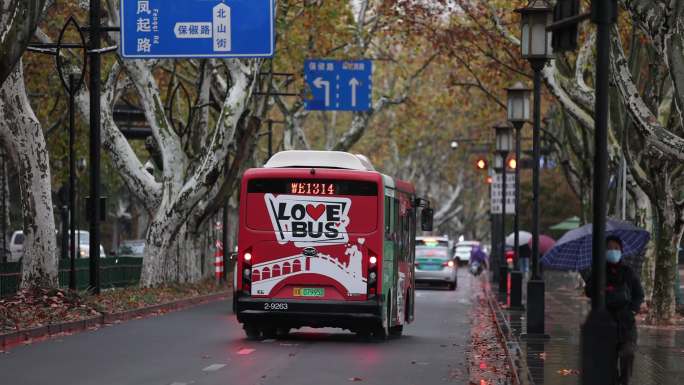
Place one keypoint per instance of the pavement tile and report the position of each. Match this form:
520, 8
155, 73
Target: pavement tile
555, 361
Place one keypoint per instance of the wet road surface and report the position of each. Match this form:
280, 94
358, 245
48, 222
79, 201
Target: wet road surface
206, 345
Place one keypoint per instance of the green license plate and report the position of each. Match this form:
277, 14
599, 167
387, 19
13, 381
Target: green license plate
308, 292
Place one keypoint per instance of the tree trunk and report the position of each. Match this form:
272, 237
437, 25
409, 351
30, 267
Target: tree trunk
668, 231
18, 21
643, 217
176, 253
22, 134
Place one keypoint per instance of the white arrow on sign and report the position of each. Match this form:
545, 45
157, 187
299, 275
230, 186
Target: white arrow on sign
353, 83
193, 30
320, 83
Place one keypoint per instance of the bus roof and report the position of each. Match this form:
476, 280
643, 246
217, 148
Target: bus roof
324, 159
333, 160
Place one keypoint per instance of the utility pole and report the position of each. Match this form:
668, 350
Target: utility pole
599, 332
94, 202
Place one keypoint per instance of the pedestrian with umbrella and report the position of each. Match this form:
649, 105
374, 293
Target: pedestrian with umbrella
623, 293
524, 249
624, 296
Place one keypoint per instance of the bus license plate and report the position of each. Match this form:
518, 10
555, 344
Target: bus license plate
308, 292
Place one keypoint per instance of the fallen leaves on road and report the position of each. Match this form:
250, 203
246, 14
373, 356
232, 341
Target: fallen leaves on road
37, 307
568, 372
487, 358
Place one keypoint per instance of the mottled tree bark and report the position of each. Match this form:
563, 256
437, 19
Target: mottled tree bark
23, 137
18, 22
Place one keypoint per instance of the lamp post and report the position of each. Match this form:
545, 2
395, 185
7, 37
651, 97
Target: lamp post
518, 111
504, 144
599, 332
535, 45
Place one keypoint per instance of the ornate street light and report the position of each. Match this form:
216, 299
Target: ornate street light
518, 103
535, 43
518, 111
504, 138
504, 145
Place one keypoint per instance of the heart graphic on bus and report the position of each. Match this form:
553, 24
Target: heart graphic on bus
316, 211
309, 220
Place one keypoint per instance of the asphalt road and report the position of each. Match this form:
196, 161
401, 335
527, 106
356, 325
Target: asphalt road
205, 345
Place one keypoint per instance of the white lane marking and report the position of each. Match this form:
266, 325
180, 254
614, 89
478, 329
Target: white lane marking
213, 367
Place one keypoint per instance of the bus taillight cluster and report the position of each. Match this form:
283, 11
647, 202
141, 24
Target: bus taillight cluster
247, 272
372, 276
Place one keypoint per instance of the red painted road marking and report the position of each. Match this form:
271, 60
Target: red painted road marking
245, 351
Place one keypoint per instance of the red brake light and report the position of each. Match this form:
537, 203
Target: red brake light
448, 264
248, 257
373, 260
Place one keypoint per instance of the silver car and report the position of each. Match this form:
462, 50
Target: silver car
434, 265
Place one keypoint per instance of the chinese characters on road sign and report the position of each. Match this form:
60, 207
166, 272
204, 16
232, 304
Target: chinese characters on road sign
497, 190
197, 28
338, 85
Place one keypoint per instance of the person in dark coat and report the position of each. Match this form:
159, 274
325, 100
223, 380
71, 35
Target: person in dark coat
624, 295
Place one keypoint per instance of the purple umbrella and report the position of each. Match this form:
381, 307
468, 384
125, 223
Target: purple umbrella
545, 243
573, 250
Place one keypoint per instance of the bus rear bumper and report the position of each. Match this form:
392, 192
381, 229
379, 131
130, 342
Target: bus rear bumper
298, 313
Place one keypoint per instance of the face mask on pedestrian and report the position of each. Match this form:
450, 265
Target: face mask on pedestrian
613, 256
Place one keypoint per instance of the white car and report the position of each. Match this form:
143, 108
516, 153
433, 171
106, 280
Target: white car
16, 245
83, 240
463, 249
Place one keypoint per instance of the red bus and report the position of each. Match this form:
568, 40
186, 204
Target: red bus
325, 241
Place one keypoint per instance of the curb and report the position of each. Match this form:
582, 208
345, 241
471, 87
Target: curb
516, 362
12, 339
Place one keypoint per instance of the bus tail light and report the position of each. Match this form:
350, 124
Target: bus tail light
372, 276
247, 271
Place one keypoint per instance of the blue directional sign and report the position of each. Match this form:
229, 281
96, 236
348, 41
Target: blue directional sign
338, 85
197, 28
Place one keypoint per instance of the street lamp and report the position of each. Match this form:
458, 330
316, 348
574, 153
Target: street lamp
504, 144
518, 111
454, 144
536, 48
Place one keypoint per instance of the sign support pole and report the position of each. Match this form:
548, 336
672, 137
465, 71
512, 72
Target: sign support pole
94, 202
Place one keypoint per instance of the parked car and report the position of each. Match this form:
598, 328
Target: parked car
131, 248
83, 240
16, 246
463, 250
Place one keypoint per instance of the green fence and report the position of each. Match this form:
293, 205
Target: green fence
114, 272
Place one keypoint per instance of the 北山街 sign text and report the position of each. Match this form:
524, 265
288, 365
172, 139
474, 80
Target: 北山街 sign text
197, 28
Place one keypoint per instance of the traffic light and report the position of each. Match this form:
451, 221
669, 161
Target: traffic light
512, 163
489, 179
481, 164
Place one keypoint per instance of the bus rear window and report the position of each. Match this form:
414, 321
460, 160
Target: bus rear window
331, 206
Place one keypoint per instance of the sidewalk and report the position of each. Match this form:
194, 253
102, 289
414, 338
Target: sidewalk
555, 361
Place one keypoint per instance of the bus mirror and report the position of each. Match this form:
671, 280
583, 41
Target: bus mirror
426, 219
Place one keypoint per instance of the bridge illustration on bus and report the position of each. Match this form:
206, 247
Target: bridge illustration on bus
265, 276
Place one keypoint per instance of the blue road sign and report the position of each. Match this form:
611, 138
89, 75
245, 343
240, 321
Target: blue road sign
197, 28
338, 85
